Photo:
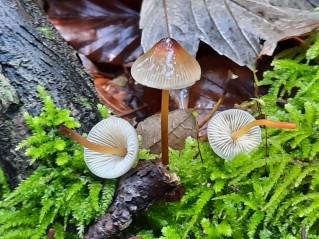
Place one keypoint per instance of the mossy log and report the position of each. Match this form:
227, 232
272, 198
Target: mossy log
32, 53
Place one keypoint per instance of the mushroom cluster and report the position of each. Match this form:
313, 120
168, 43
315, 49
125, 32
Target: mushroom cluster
235, 131
166, 66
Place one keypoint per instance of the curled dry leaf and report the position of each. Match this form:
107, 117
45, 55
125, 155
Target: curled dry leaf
181, 124
130, 100
242, 30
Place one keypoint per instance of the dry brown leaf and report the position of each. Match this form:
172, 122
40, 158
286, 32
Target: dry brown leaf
104, 31
242, 30
181, 124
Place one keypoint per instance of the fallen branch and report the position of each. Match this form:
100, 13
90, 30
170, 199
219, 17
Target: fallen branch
137, 190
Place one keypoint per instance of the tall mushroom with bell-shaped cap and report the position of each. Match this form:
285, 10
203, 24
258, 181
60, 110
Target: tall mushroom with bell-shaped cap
166, 66
111, 148
236, 131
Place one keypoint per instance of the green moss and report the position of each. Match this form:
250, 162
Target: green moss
46, 32
255, 196
61, 193
4, 186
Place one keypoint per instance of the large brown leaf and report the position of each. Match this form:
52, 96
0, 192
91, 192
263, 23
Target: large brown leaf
104, 31
242, 30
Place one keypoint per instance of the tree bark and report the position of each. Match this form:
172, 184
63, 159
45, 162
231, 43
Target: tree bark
32, 53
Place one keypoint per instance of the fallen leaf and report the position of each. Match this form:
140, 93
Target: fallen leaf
104, 31
242, 30
181, 124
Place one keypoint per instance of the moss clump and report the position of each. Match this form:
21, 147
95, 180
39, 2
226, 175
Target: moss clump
61, 193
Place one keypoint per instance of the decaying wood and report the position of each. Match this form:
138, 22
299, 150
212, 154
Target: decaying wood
32, 53
137, 190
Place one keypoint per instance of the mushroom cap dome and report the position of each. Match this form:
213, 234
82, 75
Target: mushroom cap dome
167, 66
221, 127
112, 132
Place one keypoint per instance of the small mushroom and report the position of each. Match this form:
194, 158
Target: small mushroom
236, 131
166, 66
111, 147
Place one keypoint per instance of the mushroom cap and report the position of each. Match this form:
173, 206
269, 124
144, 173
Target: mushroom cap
167, 66
221, 127
112, 132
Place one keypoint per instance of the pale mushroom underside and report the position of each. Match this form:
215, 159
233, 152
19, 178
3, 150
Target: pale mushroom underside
112, 132
223, 125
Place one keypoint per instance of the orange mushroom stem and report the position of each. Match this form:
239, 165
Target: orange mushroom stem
164, 126
90, 145
262, 122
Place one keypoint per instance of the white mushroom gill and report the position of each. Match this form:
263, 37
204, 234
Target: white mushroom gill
112, 132
223, 125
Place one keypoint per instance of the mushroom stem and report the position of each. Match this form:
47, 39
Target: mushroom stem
164, 126
264, 122
211, 114
90, 145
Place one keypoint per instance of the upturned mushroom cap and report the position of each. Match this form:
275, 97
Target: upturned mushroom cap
223, 125
112, 132
167, 66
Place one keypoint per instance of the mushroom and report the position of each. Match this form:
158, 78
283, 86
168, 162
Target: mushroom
236, 131
166, 66
111, 147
